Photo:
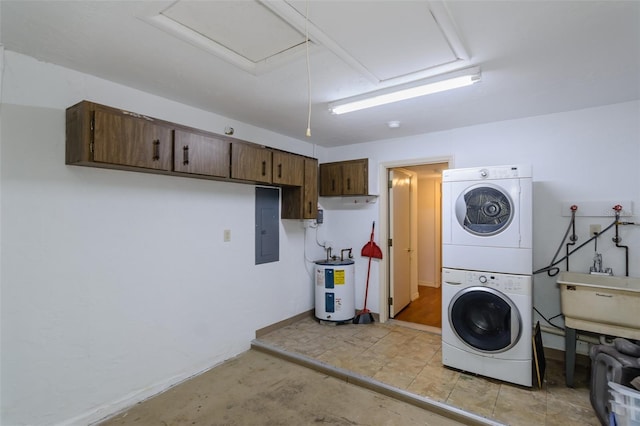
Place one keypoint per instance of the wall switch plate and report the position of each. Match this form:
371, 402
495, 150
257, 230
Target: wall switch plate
227, 235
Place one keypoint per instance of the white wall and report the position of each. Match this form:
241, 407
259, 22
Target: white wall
115, 284
585, 155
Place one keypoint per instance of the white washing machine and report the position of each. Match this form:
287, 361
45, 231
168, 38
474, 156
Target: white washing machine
487, 220
486, 324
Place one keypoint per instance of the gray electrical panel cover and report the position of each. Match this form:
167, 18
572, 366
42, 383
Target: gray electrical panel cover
267, 225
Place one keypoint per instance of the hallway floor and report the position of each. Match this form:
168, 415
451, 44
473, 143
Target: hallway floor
409, 358
426, 309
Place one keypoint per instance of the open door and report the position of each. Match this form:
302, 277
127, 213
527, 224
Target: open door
400, 251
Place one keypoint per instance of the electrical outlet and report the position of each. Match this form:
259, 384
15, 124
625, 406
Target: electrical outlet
594, 229
227, 235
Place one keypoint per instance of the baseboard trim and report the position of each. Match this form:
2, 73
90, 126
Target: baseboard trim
285, 322
558, 355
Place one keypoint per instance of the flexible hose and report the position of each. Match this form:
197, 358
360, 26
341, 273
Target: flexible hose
554, 271
555, 256
554, 263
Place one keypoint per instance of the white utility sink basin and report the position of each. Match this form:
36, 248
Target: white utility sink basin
601, 304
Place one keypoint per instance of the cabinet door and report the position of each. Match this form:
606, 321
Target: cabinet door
355, 177
310, 189
131, 141
301, 202
199, 154
250, 163
288, 169
330, 179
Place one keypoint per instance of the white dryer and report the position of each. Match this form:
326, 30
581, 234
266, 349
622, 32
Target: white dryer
487, 219
486, 324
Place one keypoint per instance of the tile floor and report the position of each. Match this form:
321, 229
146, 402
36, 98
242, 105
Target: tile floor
409, 358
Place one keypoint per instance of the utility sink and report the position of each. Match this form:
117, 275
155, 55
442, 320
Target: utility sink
602, 304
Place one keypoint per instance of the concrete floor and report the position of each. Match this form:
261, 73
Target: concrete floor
373, 374
256, 388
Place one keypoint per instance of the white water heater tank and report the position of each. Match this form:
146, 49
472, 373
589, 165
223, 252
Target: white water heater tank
335, 290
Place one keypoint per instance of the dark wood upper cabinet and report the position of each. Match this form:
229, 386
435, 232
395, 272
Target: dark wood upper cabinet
310, 195
288, 169
344, 178
106, 137
131, 141
301, 202
252, 163
330, 179
199, 154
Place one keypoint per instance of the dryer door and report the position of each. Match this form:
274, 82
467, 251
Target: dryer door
485, 319
486, 213
484, 210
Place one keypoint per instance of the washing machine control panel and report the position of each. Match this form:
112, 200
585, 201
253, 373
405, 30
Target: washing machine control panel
514, 284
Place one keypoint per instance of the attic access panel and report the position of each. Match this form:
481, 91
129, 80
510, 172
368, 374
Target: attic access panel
245, 33
390, 39
385, 41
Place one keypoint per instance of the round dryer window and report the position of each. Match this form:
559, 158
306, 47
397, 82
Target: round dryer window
484, 210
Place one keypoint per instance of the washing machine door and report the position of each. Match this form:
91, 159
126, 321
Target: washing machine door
485, 319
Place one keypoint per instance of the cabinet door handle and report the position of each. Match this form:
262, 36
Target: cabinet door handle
264, 168
156, 150
279, 170
349, 183
310, 207
185, 155
333, 184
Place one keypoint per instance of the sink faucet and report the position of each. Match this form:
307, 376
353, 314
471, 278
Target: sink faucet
597, 263
597, 266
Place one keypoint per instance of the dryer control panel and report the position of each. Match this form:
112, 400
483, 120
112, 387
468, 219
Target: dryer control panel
483, 173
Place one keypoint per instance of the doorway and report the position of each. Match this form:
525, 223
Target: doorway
414, 231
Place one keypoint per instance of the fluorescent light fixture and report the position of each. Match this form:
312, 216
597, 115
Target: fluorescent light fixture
407, 91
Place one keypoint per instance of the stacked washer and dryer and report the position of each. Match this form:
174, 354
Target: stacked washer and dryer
487, 263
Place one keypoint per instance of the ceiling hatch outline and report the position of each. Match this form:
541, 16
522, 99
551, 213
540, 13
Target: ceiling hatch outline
422, 44
227, 30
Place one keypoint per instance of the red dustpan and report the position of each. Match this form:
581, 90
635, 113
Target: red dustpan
370, 250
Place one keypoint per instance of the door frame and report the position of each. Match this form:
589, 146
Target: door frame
383, 220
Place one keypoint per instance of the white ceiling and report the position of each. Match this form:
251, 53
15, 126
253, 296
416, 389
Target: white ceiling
247, 60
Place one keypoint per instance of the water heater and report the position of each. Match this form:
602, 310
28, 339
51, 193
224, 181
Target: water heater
335, 290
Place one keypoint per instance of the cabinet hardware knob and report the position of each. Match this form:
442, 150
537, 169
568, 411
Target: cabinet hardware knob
349, 183
264, 168
185, 155
279, 170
